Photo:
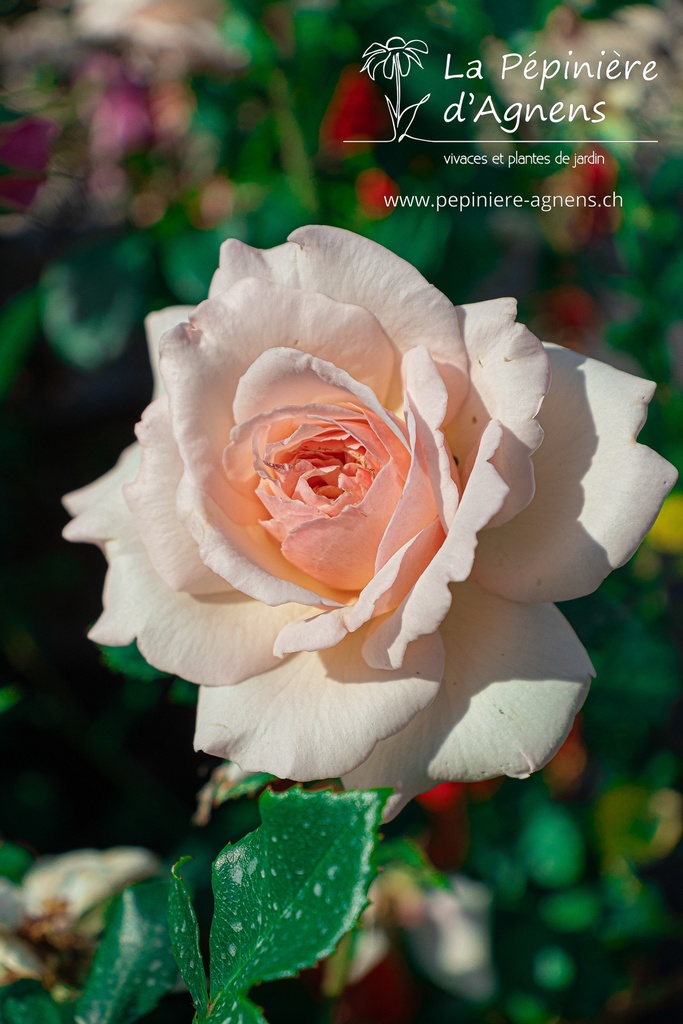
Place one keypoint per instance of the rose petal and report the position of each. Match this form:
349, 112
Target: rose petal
151, 499
156, 325
510, 375
246, 555
414, 533
340, 552
287, 377
96, 506
597, 491
427, 400
349, 268
316, 715
427, 603
383, 593
205, 638
202, 363
515, 677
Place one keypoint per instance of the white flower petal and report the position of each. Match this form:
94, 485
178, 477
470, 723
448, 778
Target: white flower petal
151, 498
206, 639
156, 325
597, 491
317, 715
18, 960
510, 375
515, 677
10, 904
96, 506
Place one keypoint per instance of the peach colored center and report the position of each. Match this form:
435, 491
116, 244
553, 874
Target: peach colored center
326, 472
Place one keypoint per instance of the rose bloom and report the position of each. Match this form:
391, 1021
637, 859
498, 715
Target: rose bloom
348, 510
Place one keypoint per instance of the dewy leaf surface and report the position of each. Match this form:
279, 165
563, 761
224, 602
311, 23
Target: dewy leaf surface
228, 1010
134, 965
286, 893
185, 940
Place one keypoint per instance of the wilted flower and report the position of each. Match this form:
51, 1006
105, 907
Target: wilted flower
55, 915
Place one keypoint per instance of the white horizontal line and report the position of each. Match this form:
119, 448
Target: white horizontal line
511, 142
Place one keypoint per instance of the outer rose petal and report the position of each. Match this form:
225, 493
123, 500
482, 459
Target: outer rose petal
151, 499
181, 633
176, 632
350, 268
156, 325
317, 715
597, 491
510, 375
515, 677
96, 507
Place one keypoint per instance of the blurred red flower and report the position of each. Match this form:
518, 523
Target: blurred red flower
372, 188
357, 110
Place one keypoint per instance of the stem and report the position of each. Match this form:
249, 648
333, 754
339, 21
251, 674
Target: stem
397, 71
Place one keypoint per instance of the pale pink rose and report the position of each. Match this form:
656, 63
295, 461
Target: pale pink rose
348, 508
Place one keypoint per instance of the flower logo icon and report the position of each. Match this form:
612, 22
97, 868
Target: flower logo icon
395, 58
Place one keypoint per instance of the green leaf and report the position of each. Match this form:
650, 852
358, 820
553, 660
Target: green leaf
27, 1002
128, 661
134, 965
19, 330
184, 931
14, 861
228, 1010
92, 298
286, 893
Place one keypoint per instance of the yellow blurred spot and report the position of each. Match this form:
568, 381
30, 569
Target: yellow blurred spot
667, 533
638, 825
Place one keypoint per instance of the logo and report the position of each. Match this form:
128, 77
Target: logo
395, 59
565, 94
